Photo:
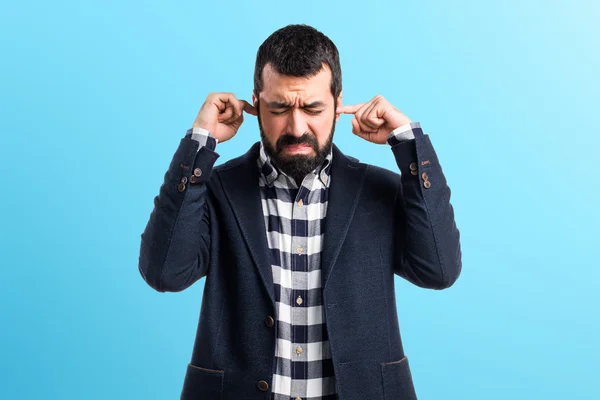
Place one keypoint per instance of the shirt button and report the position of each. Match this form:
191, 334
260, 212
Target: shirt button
300, 203
299, 350
197, 172
300, 250
299, 300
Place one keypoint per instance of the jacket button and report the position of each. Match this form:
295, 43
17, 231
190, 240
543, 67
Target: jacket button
262, 385
197, 172
181, 187
269, 321
413, 166
184, 180
193, 179
424, 176
427, 184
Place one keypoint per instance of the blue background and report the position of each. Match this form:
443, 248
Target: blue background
95, 96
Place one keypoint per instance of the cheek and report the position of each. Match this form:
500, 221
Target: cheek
321, 128
273, 127
276, 125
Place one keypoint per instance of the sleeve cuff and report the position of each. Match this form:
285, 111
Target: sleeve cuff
203, 137
405, 132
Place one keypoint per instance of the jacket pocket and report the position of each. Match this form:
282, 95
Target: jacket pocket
397, 380
358, 380
202, 383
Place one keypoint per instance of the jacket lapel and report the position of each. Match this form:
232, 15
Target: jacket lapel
347, 177
240, 183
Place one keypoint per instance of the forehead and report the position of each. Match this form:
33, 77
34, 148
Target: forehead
292, 88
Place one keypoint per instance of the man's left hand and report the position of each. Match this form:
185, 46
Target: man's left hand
375, 119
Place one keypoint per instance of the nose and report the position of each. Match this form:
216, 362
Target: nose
297, 125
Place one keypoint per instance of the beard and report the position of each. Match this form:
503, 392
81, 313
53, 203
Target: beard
296, 166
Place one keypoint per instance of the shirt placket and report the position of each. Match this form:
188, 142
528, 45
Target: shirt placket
298, 301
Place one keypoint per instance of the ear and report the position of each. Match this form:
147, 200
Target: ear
339, 103
254, 99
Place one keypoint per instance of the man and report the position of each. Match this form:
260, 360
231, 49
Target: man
298, 242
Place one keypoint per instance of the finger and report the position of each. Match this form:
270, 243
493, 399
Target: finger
341, 109
227, 114
221, 100
355, 127
235, 103
233, 108
371, 119
249, 108
365, 116
358, 132
224, 100
360, 117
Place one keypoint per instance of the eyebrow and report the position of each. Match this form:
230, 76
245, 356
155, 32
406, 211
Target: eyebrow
281, 104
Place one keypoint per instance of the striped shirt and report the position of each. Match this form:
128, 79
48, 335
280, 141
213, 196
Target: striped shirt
294, 221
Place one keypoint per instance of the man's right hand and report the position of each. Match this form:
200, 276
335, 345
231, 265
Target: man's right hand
222, 115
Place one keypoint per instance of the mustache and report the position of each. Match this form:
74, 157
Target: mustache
306, 138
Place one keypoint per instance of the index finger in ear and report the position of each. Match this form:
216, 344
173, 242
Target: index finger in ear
249, 108
349, 109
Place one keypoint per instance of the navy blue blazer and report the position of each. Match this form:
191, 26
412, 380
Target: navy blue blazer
208, 222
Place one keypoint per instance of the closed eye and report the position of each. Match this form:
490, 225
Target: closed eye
311, 112
314, 112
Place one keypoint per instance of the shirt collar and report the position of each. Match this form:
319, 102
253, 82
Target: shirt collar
270, 172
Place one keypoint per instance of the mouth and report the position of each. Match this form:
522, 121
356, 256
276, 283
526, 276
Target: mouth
297, 149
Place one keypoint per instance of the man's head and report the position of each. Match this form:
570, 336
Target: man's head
297, 87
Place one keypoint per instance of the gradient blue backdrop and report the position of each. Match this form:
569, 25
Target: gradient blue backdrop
95, 96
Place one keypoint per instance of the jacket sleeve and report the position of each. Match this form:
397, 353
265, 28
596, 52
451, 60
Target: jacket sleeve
175, 245
427, 248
